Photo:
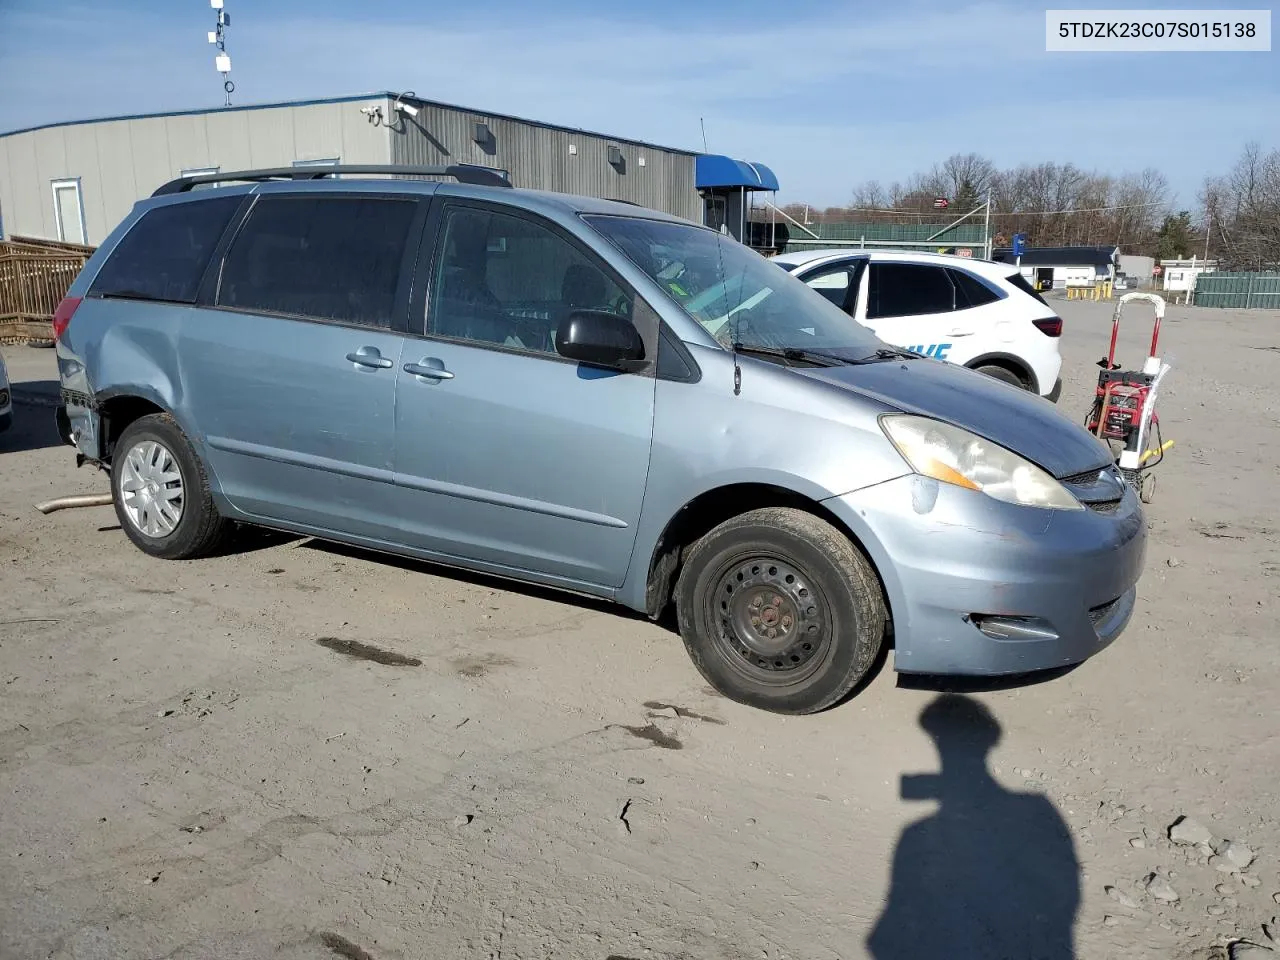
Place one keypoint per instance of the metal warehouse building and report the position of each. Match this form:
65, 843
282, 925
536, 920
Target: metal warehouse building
75, 181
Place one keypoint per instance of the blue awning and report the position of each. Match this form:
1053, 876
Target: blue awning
713, 171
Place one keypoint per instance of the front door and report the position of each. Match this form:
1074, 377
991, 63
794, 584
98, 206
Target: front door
510, 456
838, 282
291, 374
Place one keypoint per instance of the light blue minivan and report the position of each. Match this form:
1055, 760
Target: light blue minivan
591, 396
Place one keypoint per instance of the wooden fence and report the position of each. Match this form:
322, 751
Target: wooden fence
34, 277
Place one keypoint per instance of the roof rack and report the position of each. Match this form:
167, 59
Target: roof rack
462, 172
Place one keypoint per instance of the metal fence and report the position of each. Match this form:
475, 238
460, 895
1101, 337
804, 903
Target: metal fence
34, 277
1247, 290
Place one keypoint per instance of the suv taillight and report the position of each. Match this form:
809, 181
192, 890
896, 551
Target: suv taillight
62, 316
1049, 326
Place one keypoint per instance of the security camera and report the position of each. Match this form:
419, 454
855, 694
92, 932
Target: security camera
369, 111
406, 108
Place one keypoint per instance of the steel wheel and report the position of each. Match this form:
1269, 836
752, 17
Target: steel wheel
773, 624
152, 489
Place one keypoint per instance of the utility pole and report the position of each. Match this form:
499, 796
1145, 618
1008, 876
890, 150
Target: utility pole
986, 227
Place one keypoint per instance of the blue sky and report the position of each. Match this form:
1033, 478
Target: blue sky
828, 93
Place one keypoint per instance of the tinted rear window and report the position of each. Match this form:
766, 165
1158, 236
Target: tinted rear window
970, 291
1019, 281
332, 258
164, 254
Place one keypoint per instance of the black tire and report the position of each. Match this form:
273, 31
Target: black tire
1003, 374
199, 530
801, 575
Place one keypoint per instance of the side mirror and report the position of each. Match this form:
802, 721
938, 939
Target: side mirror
601, 339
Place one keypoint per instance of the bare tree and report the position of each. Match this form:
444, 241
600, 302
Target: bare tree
1244, 207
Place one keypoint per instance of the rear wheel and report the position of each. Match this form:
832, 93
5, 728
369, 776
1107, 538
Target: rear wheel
161, 493
778, 610
1004, 374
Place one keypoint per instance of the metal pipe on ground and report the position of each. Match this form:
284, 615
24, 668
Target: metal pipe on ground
69, 503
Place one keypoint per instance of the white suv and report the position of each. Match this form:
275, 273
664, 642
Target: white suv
975, 313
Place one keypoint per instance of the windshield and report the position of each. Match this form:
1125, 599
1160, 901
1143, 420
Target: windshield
737, 295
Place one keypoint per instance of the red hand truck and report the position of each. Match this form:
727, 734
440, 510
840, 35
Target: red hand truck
1124, 404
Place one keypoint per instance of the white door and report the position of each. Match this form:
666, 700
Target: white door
68, 211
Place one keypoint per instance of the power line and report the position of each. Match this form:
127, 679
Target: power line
1058, 213
1007, 213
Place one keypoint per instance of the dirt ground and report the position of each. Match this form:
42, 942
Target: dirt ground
195, 764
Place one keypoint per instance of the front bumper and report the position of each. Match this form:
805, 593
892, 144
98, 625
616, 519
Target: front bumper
980, 587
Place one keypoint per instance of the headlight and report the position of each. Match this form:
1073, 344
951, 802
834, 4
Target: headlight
936, 449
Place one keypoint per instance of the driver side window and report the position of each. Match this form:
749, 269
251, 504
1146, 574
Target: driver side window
505, 281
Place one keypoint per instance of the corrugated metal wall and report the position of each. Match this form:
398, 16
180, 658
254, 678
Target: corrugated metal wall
120, 161
1244, 290
550, 158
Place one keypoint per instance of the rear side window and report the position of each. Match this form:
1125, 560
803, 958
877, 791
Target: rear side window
330, 258
970, 291
165, 253
908, 290
1019, 281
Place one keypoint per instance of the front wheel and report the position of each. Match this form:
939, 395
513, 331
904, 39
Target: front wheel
780, 611
1147, 487
161, 493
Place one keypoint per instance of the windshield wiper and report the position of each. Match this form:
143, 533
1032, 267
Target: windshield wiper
889, 353
790, 353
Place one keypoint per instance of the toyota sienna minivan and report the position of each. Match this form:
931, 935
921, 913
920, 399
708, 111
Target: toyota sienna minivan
591, 396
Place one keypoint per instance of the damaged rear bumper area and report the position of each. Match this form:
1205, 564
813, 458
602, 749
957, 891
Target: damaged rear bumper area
981, 587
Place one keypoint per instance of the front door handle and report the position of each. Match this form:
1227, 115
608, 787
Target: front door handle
429, 367
369, 357
960, 333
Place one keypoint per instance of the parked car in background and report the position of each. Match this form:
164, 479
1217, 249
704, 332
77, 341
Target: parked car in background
975, 313
596, 397
6, 398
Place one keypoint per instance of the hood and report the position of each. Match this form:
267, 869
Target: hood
1028, 425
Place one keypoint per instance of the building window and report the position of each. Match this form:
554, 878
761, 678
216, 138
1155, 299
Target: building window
68, 211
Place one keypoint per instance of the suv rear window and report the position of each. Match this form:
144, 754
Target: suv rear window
1019, 281
331, 258
164, 254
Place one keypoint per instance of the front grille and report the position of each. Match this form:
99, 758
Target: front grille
1083, 479
1099, 490
1104, 507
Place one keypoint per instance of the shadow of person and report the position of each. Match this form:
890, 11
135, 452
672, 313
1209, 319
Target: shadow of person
990, 874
